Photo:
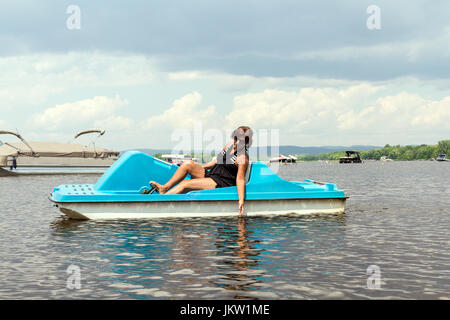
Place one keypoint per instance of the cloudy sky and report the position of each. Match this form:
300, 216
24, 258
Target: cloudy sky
144, 70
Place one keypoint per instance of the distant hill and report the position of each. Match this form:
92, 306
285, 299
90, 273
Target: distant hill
322, 149
283, 149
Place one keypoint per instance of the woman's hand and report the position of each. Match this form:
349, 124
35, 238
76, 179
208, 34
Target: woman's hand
241, 208
242, 163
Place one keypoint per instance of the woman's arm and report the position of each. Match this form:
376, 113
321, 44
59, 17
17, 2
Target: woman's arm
210, 164
240, 181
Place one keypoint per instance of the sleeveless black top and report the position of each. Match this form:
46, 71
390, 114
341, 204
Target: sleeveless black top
225, 171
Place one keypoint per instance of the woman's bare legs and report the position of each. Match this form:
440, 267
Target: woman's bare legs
193, 184
189, 167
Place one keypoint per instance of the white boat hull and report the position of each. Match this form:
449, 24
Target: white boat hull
181, 209
31, 171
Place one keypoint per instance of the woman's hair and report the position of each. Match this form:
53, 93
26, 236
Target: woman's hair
243, 133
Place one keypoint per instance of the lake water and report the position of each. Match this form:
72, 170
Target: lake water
397, 221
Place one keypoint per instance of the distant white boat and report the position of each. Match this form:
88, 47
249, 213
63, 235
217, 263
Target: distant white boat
385, 159
293, 158
23, 158
442, 157
178, 159
284, 159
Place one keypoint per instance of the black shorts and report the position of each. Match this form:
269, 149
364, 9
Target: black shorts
224, 175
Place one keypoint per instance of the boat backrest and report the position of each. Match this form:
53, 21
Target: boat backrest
134, 170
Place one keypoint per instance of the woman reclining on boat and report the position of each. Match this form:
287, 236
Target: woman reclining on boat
228, 169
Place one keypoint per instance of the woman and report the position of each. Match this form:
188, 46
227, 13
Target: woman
228, 169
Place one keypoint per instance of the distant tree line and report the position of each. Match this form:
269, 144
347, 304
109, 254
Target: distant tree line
422, 152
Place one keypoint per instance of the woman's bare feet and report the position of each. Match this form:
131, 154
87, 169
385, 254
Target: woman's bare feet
159, 187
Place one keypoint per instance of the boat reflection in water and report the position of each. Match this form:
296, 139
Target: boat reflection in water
215, 258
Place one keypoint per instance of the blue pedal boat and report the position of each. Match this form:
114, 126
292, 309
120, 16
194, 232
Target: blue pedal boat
117, 194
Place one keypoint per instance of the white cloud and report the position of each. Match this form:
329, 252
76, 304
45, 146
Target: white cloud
32, 94
356, 114
114, 123
351, 120
79, 114
183, 114
400, 112
306, 109
229, 83
434, 113
32, 79
186, 75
